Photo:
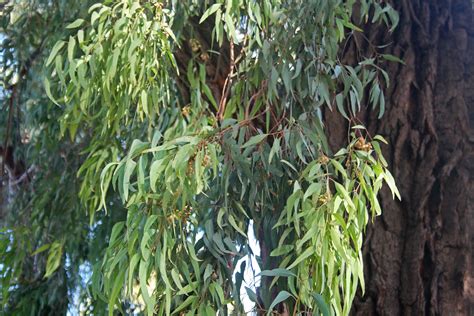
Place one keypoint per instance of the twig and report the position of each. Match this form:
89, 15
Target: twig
21, 178
227, 84
254, 97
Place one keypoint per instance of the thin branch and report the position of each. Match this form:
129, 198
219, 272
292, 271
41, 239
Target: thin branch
254, 97
227, 84
23, 177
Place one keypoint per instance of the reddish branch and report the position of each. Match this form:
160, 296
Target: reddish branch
227, 84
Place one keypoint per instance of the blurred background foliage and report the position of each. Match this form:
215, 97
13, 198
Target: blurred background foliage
39, 204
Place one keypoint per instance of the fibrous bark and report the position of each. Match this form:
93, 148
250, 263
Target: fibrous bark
418, 254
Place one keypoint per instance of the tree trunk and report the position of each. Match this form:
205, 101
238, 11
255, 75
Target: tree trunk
418, 254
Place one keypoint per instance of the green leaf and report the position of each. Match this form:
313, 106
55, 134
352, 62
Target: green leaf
251, 294
230, 27
208, 272
212, 9
187, 289
104, 184
188, 301
380, 138
275, 149
382, 104
54, 258
117, 287
279, 272
254, 140
162, 266
155, 172
55, 51
47, 88
392, 58
149, 222
340, 188
176, 278
299, 65
236, 226
282, 250
322, 305
209, 95
41, 249
144, 246
351, 26
394, 18
282, 296
391, 183
143, 276
240, 208
337, 165
131, 271
70, 48
340, 105
308, 252
75, 24
313, 188
136, 148
116, 231
144, 101
289, 165
80, 36
129, 167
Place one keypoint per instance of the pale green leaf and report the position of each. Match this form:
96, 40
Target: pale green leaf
75, 24
279, 272
54, 52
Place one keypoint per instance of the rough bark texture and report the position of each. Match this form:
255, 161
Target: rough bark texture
418, 254
197, 46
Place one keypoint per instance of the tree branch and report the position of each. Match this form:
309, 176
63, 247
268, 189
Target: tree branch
227, 84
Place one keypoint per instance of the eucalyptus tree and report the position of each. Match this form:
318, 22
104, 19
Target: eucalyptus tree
188, 125
40, 211
228, 114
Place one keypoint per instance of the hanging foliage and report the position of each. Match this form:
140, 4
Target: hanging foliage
205, 119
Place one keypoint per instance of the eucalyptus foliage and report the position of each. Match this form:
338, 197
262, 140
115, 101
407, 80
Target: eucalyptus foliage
44, 228
195, 160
